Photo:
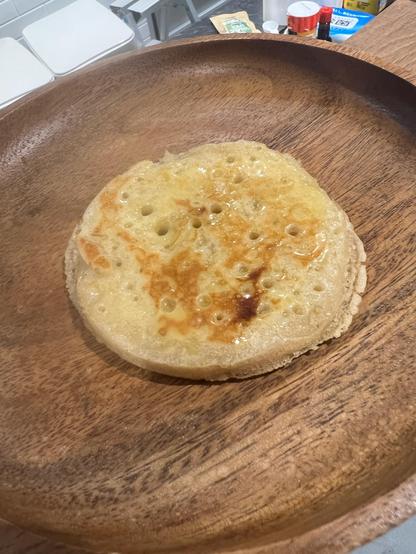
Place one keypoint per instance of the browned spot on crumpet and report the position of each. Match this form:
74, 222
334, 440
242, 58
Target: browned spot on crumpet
178, 275
108, 201
182, 202
102, 262
194, 210
255, 274
92, 254
247, 306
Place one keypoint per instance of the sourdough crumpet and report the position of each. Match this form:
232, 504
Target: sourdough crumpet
227, 260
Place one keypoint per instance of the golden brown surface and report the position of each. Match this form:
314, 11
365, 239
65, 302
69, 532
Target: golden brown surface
226, 260
316, 458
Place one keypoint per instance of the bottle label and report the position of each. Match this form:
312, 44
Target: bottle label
237, 22
344, 22
236, 26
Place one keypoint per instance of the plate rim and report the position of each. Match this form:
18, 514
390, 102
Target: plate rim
356, 54
366, 521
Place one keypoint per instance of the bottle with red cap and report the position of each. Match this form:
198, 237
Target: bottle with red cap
302, 18
325, 16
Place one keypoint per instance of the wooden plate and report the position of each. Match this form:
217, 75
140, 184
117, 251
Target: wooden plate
318, 457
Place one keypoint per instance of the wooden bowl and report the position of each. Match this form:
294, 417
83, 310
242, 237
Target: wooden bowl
318, 457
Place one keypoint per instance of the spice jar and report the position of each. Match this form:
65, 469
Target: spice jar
302, 18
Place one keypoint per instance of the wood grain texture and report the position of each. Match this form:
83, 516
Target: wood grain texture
17, 541
318, 457
391, 36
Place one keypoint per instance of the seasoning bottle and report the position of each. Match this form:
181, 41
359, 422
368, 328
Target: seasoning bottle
325, 16
302, 18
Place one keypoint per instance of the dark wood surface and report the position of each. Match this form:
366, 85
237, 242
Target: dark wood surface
391, 36
318, 457
17, 541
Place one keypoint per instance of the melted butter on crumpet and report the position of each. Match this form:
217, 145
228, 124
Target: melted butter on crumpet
215, 246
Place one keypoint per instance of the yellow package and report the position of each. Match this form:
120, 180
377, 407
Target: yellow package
237, 22
368, 6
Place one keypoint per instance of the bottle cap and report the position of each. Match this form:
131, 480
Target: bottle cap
303, 17
325, 15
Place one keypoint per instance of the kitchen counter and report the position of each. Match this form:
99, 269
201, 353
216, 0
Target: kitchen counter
254, 8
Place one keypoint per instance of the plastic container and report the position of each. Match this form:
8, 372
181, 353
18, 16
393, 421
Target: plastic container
303, 18
76, 35
346, 23
271, 27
